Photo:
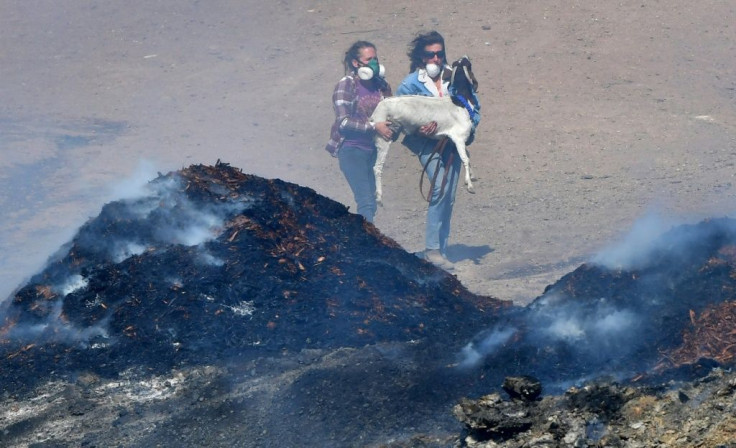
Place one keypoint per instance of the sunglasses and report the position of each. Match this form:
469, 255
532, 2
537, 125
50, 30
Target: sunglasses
431, 54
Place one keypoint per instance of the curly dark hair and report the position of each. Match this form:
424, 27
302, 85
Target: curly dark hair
354, 53
416, 48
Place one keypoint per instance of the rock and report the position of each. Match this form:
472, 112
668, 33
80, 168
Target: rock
525, 388
491, 417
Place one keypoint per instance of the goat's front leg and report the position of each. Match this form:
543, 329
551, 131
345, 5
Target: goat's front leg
463, 153
382, 147
470, 168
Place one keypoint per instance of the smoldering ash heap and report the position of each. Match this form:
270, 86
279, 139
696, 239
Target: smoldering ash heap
215, 265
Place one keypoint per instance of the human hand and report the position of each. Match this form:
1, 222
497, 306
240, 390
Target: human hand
428, 129
383, 129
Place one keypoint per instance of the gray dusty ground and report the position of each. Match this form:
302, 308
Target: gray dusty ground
594, 114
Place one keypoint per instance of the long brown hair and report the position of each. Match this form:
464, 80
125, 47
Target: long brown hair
354, 53
416, 48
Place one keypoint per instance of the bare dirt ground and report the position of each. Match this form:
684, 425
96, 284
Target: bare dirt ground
594, 114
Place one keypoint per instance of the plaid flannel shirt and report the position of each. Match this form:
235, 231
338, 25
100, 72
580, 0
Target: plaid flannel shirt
344, 100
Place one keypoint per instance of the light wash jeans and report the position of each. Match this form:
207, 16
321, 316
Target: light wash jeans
357, 166
439, 211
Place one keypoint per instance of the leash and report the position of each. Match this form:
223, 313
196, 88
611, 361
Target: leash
437, 151
464, 101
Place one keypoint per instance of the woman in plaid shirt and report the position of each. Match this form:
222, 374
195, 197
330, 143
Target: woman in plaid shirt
355, 97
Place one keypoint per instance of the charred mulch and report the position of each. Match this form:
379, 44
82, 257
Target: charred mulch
224, 309
281, 269
663, 378
652, 320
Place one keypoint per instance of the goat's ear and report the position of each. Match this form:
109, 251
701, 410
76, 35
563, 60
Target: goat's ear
469, 75
446, 74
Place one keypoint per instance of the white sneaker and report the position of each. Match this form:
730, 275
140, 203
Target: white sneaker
435, 257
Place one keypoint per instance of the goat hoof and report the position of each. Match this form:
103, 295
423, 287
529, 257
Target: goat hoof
471, 189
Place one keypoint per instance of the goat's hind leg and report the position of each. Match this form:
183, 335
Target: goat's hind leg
382, 147
463, 153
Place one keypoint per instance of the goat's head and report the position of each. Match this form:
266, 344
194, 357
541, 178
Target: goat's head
461, 76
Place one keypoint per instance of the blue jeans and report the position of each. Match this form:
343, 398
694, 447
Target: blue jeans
357, 166
439, 212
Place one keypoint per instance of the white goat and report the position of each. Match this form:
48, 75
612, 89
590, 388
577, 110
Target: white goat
413, 111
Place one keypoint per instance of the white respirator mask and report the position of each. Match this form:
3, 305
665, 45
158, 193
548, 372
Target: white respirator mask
432, 70
371, 69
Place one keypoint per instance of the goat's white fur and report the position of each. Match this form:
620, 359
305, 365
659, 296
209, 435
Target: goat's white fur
413, 111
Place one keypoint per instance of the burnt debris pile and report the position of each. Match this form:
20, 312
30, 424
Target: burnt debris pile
607, 414
643, 350
668, 311
215, 264
314, 319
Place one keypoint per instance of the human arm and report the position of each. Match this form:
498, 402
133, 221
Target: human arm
343, 100
384, 130
408, 88
428, 129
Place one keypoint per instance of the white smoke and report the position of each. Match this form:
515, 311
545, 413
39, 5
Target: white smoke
614, 323
566, 328
207, 258
147, 215
202, 227
125, 249
635, 248
164, 209
19, 263
57, 327
604, 330
175, 282
73, 283
137, 184
590, 330
475, 352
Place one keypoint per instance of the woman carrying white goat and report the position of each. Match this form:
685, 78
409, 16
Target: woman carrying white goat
428, 61
351, 138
